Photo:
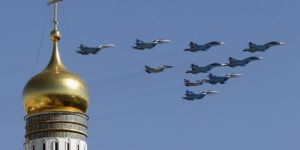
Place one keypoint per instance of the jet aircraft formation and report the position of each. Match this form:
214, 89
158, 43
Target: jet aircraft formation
213, 79
195, 69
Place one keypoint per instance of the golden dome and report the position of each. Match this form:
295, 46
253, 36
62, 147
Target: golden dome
55, 89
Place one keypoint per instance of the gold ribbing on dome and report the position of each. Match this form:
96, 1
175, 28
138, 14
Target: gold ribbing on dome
55, 89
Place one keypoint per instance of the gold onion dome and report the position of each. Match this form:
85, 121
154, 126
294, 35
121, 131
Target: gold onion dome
55, 89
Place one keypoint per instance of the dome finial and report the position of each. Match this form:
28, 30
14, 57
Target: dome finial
55, 36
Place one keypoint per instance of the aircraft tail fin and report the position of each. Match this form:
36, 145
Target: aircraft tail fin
147, 67
194, 66
251, 44
138, 41
231, 59
188, 92
186, 81
192, 44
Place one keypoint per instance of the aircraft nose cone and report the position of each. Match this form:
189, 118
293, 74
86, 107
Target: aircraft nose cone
238, 75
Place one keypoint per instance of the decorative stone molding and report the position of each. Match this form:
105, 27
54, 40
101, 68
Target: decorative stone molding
56, 124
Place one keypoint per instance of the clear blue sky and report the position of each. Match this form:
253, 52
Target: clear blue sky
131, 110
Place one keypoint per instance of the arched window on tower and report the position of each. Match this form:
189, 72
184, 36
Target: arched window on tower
68, 146
56, 146
44, 146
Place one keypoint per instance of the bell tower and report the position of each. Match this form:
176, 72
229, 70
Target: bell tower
55, 101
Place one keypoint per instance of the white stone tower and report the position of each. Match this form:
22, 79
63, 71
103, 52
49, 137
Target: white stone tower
55, 101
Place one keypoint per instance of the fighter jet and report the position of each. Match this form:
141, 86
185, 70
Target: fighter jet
194, 47
261, 48
191, 96
85, 50
197, 83
196, 69
212, 79
235, 62
149, 69
141, 45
